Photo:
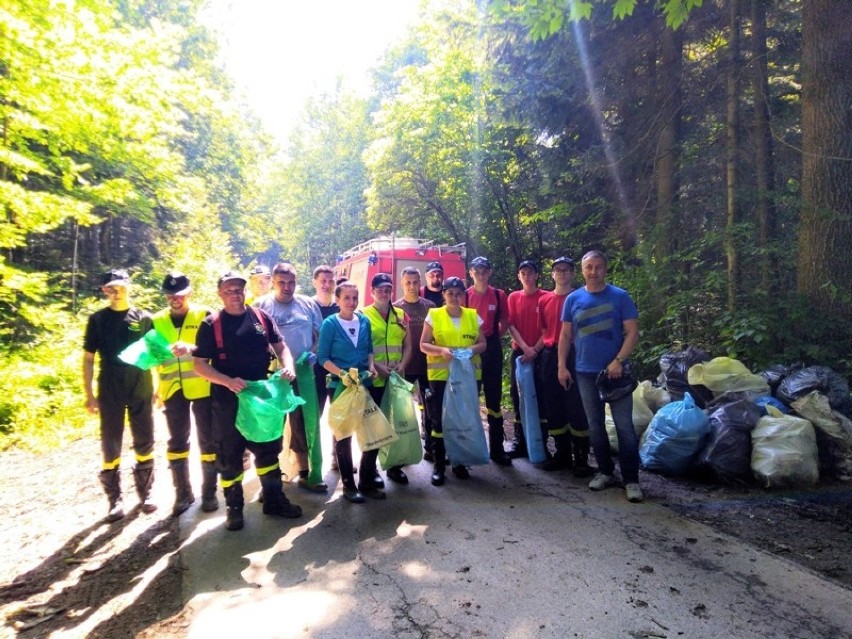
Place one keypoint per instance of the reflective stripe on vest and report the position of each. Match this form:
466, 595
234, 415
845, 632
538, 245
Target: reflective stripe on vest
445, 333
387, 336
179, 372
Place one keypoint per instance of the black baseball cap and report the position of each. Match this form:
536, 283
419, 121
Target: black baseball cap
480, 261
176, 283
381, 279
452, 282
528, 264
563, 260
115, 277
434, 266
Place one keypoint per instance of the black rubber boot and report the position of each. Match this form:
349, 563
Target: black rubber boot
234, 503
439, 469
184, 497
495, 443
581, 448
209, 503
519, 443
562, 457
143, 476
111, 481
275, 502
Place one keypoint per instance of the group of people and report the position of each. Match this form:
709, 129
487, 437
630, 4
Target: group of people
569, 335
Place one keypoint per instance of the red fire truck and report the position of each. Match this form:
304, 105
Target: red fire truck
392, 254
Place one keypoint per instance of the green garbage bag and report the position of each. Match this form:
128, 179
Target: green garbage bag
262, 406
150, 350
310, 412
398, 407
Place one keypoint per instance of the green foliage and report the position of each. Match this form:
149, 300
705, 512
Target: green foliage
42, 403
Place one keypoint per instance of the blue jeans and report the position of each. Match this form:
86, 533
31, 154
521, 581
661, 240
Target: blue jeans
622, 415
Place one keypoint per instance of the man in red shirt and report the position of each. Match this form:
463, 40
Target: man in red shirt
492, 307
527, 342
566, 419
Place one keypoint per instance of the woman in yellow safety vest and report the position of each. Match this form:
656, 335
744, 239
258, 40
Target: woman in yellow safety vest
391, 347
447, 328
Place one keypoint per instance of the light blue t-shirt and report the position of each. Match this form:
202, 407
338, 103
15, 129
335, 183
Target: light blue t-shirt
299, 321
598, 320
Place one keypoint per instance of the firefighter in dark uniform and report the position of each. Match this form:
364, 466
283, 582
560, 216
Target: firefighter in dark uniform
180, 390
232, 348
122, 388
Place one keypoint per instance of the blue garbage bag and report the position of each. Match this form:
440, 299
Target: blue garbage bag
464, 436
674, 437
525, 376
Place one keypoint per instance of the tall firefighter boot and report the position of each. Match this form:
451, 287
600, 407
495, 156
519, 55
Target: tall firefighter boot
184, 496
111, 481
275, 502
143, 476
561, 459
209, 503
519, 442
234, 503
581, 446
439, 469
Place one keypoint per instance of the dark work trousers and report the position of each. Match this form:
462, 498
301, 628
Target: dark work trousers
492, 385
367, 469
323, 391
230, 443
125, 390
177, 410
564, 409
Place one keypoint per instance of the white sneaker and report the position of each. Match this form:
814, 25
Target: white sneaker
634, 493
601, 481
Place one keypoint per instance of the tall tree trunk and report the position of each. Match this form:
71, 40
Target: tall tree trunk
666, 158
825, 236
732, 204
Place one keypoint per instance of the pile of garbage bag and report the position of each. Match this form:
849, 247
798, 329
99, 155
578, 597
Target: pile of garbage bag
714, 418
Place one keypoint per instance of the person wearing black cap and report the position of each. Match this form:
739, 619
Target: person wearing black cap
491, 305
525, 329
446, 329
391, 346
233, 348
182, 390
566, 419
433, 291
122, 388
260, 283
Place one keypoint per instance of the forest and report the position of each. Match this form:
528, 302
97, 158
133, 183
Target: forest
704, 145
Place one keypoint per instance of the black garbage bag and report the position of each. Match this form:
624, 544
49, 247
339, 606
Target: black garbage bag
674, 368
777, 372
727, 455
814, 378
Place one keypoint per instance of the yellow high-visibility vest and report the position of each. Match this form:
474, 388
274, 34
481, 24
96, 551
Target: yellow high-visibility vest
387, 336
445, 333
179, 372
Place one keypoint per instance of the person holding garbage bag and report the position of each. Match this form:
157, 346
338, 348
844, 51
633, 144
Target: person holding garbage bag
391, 346
447, 333
182, 390
233, 348
602, 322
345, 343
